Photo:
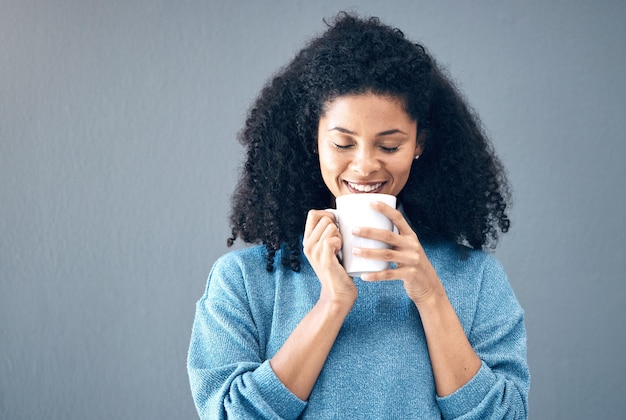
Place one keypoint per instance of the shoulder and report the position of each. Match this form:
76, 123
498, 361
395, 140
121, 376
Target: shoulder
247, 268
253, 260
453, 258
242, 259
232, 270
476, 284
240, 279
468, 273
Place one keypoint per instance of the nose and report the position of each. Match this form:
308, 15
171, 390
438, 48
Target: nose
365, 162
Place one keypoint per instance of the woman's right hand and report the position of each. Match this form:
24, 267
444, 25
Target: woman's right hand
322, 243
300, 360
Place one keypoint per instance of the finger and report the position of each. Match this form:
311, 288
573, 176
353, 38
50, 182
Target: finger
408, 255
395, 216
314, 225
312, 218
383, 275
391, 238
325, 234
331, 238
385, 254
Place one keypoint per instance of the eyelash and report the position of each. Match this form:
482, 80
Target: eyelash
383, 148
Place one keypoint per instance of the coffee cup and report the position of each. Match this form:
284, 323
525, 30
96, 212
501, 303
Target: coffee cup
354, 210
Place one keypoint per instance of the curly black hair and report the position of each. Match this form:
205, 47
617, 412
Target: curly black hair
456, 191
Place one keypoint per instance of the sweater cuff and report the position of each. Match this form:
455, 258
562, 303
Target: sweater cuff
284, 402
470, 395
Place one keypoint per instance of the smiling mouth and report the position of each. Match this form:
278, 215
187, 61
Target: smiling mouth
364, 188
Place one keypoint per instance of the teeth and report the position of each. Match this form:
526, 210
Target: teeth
365, 188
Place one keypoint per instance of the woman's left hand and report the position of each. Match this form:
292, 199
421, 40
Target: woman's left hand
413, 267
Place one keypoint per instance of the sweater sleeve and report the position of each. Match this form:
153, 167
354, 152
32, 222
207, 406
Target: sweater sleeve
499, 390
228, 375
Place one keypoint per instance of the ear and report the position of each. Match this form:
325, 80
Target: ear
420, 143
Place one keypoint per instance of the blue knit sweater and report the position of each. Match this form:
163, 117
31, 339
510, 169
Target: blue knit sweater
378, 368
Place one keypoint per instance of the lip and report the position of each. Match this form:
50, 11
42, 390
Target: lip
355, 191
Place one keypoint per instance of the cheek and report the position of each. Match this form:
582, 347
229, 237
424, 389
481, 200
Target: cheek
402, 171
326, 166
329, 162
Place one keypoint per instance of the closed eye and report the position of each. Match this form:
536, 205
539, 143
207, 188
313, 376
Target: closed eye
389, 149
342, 146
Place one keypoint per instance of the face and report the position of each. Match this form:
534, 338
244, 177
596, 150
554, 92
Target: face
366, 144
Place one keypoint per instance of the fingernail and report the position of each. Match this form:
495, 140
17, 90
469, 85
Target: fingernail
356, 251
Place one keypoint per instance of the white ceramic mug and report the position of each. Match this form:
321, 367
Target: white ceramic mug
354, 210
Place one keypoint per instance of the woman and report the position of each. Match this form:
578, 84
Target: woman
440, 334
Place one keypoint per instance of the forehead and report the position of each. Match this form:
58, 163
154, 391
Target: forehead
370, 109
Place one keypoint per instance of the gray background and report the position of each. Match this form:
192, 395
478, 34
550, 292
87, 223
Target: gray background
118, 156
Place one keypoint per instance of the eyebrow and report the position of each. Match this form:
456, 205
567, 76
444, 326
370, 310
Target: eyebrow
381, 134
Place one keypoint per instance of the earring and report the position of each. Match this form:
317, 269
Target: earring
417, 157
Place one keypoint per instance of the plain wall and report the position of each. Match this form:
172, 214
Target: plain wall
118, 155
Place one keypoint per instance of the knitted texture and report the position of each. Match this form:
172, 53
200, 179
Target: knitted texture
378, 368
